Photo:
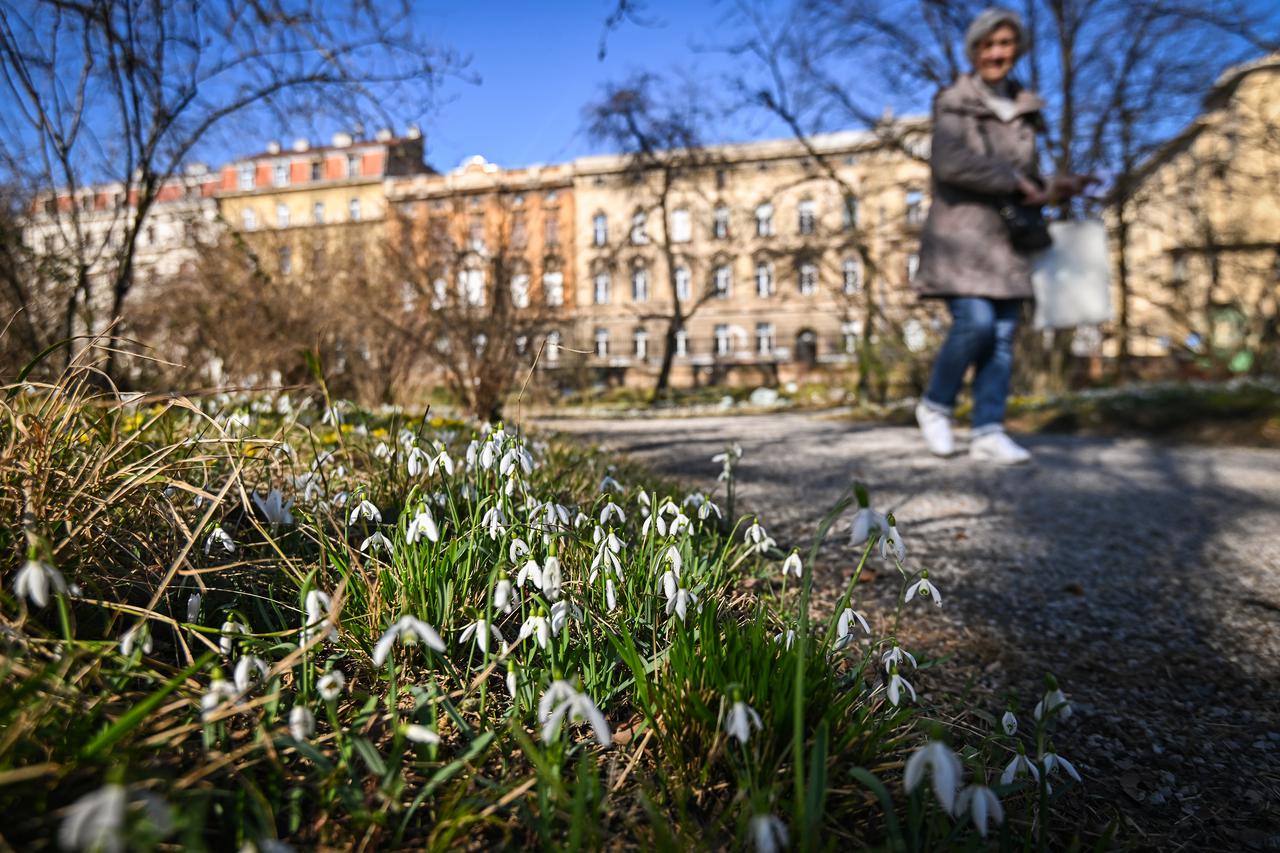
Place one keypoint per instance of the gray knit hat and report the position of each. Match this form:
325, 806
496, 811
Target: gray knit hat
985, 23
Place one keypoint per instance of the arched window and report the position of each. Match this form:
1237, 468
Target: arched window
639, 226
639, 285
764, 279
684, 283
601, 288
599, 230
808, 278
807, 346
807, 215
851, 275
764, 220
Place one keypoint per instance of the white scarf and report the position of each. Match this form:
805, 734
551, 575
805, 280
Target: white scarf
998, 99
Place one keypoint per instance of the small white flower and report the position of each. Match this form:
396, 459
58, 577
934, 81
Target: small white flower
551, 578
891, 543
96, 822
1055, 702
375, 541
679, 603
608, 484
219, 691
612, 510
193, 606
983, 804
845, 623
517, 549
139, 636
757, 538
229, 629
610, 596
1052, 761
494, 522
1020, 766
34, 579
793, 565
865, 522
330, 685
420, 734
302, 723
248, 669
422, 526
538, 627
482, 631
505, 598
894, 656
739, 721
530, 572
768, 834
511, 679
1009, 723
366, 510
316, 605
413, 464
896, 683
925, 588
442, 461
944, 768
563, 701
787, 638
222, 539
275, 507
411, 630
560, 613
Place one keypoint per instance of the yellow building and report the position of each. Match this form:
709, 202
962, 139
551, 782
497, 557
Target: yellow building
1203, 231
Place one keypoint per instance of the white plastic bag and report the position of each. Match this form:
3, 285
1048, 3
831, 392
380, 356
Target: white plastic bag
1072, 278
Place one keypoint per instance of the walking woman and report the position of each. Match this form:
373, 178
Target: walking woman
984, 154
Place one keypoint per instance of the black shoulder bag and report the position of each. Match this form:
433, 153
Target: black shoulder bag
1028, 231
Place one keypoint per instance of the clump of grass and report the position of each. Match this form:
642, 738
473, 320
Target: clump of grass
270, 620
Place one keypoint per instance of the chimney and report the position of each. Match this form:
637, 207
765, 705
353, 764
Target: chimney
383, 135
301, 144
273, 147
413, 132
341, 140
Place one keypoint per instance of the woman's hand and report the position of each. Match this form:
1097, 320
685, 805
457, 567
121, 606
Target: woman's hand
1032, 193
1065, 187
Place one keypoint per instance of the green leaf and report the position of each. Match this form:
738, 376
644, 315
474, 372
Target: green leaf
866, 777
370, 755
139, 712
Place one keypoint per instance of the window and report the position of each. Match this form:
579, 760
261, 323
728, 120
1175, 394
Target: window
471, 286
849, 214
849, 335
602, 343
722, 339
599, 230
522, 344
601, 290
764, 220
551, 196
1179, 277
641, 340
475, 233
720, 223
279, 175
721, 282
913, 266
808, 278
851, 275
807, 212
764, 338
353, 165
282, 215
915, 207
764, 280
286, 260
317, 170
553, 288
684, 283
681, 229
248, 219
246, 177
722, 177
639, 235
552, 228
639, 285
552, 351
517, 200
317, 213
354, 209
520, 290
682, 343
439, 293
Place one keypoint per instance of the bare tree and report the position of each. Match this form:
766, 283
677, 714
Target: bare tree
125, 91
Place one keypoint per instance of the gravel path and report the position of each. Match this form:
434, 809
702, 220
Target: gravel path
1145, 575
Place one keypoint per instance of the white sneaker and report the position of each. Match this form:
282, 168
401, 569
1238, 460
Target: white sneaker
996, 446
935, 426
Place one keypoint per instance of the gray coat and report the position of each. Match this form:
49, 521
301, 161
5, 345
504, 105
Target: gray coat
965, 248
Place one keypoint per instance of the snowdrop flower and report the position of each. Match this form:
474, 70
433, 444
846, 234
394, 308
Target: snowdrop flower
330, 685
1020, 766
731, 455
944, 769
793, 565
494, 522
608, 484
865, 522
530, 572
925, 588
139, 636
1009, 723
768, 834
517, 549
302, 723
443, 461
787, 638
229, 629
34, 579
415, 461
511, 679
679, 524
612, 510
845, 623
422, 526
759, 540
680, 601
219, 537
365, 510
704, 506
482, 631
610, 596
1052, 761
375, 540
193, 606
219, 691
560, 613
608, 559
505, 597
248, 669
96, 822
316, 605
739, 721
538, 627
655, 522
516, 457
274, 507
420, 734
382, 451
893, 657
562, 701
551, 578
891, 543
981, 802
411, 630
1054, 702
896, 683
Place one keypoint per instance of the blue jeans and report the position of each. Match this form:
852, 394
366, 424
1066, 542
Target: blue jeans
982, 335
